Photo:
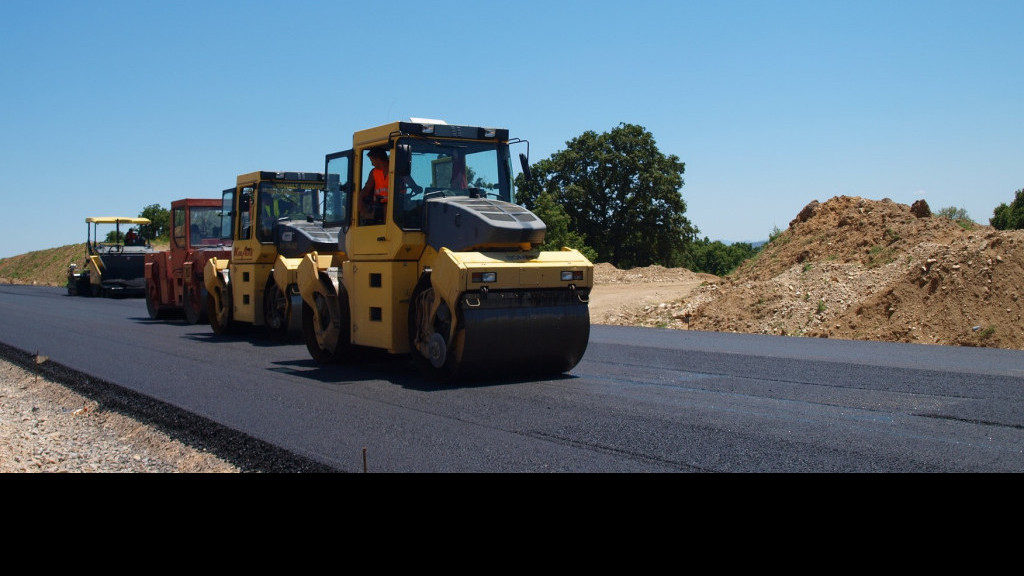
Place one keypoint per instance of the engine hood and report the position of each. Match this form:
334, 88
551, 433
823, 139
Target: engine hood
460, 224
296, 238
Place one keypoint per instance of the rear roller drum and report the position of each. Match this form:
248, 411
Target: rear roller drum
325, 328
194, 303
153, 300
219, 311
435, 352
276, 310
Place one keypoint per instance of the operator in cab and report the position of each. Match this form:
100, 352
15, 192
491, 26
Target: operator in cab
373, 198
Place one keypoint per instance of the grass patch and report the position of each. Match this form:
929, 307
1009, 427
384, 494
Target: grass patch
879, 255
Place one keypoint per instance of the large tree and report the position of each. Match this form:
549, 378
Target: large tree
558, 233
160, 219
1009, 217
621, 194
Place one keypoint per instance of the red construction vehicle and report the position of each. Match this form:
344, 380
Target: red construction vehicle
174, 277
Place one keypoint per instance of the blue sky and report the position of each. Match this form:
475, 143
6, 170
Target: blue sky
109, 106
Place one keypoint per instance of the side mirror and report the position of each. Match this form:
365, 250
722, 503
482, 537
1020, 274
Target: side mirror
525, 163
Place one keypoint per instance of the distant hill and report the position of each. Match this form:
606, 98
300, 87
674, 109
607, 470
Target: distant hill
43, 267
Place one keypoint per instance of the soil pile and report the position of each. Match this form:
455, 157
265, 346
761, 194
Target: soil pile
864, 270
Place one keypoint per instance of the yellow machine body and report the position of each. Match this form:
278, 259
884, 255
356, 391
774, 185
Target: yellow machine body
452, 273
271, 220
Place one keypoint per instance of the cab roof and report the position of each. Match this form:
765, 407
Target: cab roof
116, 220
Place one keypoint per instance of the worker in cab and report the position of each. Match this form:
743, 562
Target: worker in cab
373, 198
131, 238
278, 206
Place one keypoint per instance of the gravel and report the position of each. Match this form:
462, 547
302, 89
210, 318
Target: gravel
53, 419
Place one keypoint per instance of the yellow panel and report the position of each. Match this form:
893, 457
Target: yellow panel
530, 277
247, 295
379, 295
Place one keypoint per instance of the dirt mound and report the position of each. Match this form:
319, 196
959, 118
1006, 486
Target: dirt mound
606, 274
629, 297
868, 270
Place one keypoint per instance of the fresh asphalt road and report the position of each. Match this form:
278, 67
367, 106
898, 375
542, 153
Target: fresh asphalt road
642, 400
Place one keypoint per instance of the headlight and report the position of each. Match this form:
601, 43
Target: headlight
485, 277
570, 275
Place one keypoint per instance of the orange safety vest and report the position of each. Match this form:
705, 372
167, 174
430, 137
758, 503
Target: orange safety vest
380, 186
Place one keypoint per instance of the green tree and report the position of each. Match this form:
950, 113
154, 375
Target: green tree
160, 219
558, 233
954, 213
1009, 217
620, 193
717, 257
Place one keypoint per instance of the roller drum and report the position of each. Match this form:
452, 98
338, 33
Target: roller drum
533, 331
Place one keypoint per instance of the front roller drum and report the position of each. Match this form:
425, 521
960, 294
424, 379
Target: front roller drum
503, 334
538, 332
325, 327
